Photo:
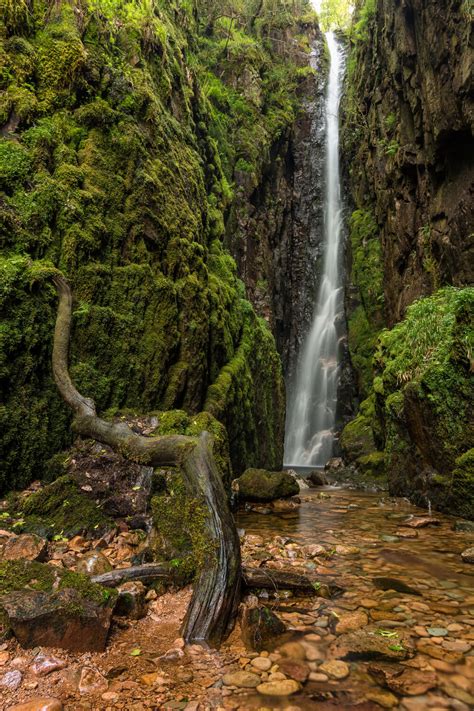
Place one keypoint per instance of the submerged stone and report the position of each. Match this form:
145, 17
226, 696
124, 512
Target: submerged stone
259, 626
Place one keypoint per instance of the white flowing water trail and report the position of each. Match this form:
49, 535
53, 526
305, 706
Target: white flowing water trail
312, 400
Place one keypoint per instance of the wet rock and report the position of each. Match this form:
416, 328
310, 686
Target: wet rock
241, 679
11, 680
468, 555
347, 550
131, 600
437, 652
65, 619
422, 522
259, 625
394, 584
91, 681
368, 644
94, 563
351, 621
412, 682
293, 650
261, 485
383, 698
39, 703
334, 464
335, 669
284, 505
45, 664
317, 478
406, 533
313, 549
261, 663
27, 546
295, 669
284, 687
465, 526
437, 631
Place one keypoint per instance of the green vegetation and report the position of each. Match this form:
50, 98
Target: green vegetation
126, 126
425, 393
336, 14
367, 319
19, 575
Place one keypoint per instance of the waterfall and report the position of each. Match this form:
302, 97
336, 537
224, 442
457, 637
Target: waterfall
312, 399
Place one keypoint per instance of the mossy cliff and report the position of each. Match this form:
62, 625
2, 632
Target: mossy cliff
117, 162
408, 143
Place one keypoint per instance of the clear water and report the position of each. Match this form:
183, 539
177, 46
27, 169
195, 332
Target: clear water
313, 399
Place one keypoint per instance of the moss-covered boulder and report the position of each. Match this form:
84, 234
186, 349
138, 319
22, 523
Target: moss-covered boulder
425, 401
359, 440
45, 606
262, 485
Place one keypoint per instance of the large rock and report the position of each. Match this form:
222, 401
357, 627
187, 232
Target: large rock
47, 607
27, 547
259, 625
371, 643
262, 485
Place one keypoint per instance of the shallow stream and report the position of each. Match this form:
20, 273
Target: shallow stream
408, 585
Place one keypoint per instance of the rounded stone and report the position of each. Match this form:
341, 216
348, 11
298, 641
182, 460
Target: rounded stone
261, 663
335, 668
284, 687
241, 679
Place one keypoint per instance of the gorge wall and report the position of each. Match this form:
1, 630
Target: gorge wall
408, 143
123, 133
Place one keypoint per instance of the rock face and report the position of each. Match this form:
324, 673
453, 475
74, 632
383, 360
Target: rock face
412, 156
261, 485
408, 144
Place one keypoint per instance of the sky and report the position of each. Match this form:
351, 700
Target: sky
317, 5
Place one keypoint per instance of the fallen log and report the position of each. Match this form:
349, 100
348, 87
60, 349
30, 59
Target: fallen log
216, 592
252, 578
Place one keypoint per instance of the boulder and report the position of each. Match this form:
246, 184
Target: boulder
262, 485
259, 625
371, 643
51, 607
131, 600
94, 563
317, 478
27, 546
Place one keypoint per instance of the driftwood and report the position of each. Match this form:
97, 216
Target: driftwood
252, 578
216, 594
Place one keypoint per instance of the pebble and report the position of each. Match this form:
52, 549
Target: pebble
11, 680
91, 681
294, 650
316, 676
468, 555
279, 688
241, 679
39, 703
45, 664
4, 657
351, 621
261, 663
335, 669
437, 631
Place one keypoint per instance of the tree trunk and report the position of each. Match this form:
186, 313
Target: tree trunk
216, 594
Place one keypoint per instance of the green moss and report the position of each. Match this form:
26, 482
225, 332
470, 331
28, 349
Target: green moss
425, 393
120, 174
262, 485
371, 465
20, 575
180, 522
61, 508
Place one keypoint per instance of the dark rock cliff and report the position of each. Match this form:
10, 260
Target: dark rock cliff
409, 146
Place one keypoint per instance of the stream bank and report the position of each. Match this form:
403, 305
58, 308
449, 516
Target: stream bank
399, 636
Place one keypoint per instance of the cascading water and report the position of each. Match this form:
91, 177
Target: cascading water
313, 399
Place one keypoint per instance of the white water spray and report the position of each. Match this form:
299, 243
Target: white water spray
313, 399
